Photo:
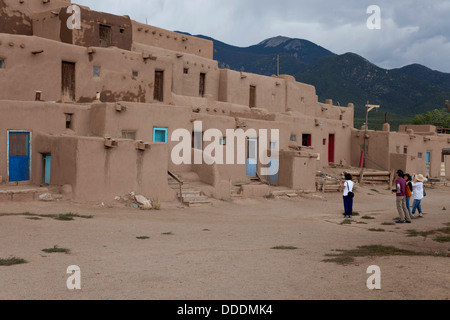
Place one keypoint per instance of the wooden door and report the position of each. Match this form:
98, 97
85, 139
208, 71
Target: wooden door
331, 148
68, 81
202, 84
158, 93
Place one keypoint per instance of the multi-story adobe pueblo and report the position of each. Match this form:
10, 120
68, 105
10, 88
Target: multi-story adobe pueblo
89, 102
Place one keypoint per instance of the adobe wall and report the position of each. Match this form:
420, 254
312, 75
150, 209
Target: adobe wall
88, 33
186, 71
270, 91
63, 151
141, 119
38, 117
320, 131
16, 16
298, 170
157, 37
42, 71
105, 173
387, 151
419, 129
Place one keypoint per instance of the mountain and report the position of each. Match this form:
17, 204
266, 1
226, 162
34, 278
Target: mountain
295, 55
423, 73
402, 93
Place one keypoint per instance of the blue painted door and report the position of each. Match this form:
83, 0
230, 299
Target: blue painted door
47, 168
252, 157
18, 156
428, 164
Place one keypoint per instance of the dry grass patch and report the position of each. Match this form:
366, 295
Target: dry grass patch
348, 256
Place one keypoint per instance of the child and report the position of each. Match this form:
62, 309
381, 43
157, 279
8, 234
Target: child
409, 192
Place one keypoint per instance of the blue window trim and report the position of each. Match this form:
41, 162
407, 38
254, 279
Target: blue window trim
155, 129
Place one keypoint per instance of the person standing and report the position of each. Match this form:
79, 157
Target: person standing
347, 187
409, 192
401, 198
418, 194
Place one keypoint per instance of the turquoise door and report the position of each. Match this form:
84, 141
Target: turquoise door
47, 168
19, 156
160, 135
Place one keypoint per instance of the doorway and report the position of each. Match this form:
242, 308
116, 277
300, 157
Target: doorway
331, 148
19, 156
68, 81
202, 84
47, 165
252, 157
158, 93
428, 164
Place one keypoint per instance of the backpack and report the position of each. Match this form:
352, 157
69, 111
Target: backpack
408, 191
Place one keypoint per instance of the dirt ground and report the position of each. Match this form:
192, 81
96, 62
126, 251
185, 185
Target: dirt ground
224, 251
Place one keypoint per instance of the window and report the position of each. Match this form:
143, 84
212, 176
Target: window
341, 117
2, 63
324, 142
252, 102
420, 155
293, 138
129, 134
186, 70
202, 84
160, 135
97, 71
197, 140
122, 30
69, 118
405, 150
158, 93
135, 73
306, 140
104, 36
223, 141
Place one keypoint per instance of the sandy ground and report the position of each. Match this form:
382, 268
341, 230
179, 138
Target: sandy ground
223, 252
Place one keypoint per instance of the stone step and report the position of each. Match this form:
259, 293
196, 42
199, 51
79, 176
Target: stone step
195, 198
190, 193
21, 193
198, 203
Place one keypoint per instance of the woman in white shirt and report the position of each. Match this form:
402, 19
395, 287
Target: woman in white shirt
347, 187
418, 194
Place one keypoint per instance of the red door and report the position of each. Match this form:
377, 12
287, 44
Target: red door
331, 146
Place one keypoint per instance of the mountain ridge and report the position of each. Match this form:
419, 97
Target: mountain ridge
346, 78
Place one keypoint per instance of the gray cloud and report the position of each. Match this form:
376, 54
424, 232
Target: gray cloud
412, 31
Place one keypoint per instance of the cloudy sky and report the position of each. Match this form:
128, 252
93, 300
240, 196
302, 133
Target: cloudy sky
412, 31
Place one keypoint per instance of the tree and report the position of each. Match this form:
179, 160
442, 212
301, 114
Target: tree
438, 118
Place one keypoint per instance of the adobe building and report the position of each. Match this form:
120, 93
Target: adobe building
93, 108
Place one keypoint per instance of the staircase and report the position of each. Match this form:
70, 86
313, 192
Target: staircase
190, 196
